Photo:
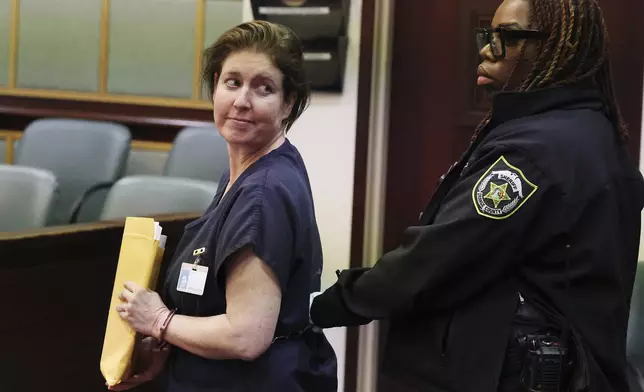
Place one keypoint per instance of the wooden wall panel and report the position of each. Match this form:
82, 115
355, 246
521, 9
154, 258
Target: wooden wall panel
625, 20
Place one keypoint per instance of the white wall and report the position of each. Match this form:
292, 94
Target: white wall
325, 136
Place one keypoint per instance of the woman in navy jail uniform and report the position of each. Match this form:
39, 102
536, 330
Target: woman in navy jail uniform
239, 322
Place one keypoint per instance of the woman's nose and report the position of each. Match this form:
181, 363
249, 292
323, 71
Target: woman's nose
243, 100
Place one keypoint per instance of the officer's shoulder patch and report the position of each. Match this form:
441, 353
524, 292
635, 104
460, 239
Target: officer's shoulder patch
501, 190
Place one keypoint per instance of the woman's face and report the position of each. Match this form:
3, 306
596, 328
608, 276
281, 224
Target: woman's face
493, 73
248, 100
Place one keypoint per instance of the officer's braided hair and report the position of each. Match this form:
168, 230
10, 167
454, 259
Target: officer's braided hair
577, 50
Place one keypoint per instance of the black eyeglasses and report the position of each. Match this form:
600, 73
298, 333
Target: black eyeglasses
500, 37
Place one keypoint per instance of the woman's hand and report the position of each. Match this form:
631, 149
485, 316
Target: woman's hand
148, 362
142, 309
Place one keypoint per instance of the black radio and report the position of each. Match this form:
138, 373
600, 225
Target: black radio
546, 363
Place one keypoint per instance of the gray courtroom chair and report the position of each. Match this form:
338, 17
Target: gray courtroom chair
26, 196
85, 156
153, 195
199, 153
635, 336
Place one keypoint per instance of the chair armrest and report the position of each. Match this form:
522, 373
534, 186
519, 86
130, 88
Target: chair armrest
76, 208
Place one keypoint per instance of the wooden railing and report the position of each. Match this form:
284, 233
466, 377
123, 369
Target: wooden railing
148, 123
61, 279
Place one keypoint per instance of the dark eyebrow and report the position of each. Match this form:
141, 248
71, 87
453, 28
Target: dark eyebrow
266, 76
231, 73
262, 75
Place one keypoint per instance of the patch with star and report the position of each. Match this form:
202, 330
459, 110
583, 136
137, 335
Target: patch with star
501, 190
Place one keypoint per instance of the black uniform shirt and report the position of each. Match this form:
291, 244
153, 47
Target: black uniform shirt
545, 203
269, 208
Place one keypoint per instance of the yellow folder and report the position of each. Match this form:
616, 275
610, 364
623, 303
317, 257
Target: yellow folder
139, 261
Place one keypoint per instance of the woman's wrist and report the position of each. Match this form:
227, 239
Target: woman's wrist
161, 324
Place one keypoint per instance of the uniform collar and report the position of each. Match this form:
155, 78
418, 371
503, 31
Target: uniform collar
510, 105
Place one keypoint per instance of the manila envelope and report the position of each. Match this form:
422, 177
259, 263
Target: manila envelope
142, 249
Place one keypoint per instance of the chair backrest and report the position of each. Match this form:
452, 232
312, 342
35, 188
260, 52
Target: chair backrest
153, 195
199, 153
26, 197
80, 154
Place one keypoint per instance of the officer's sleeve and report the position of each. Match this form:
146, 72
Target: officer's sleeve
259, 219
476, 237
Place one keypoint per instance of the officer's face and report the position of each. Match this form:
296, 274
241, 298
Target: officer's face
248, 101
495, 72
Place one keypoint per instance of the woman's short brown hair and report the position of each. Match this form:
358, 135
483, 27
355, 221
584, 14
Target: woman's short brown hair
279, 43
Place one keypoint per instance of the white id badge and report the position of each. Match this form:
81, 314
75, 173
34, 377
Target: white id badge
192, 278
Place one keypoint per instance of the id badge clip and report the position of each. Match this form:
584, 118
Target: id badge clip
192, 276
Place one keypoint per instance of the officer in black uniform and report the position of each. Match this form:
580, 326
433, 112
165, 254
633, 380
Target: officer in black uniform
519, 274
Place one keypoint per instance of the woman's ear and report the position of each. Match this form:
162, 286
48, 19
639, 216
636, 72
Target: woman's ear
288, 106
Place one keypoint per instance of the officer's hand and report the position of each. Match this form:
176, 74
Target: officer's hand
329, 310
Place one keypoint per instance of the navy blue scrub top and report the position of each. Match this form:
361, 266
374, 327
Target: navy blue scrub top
270, 208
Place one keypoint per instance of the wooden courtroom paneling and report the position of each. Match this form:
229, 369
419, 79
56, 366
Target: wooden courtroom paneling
435, 106
56, 285
151, 123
